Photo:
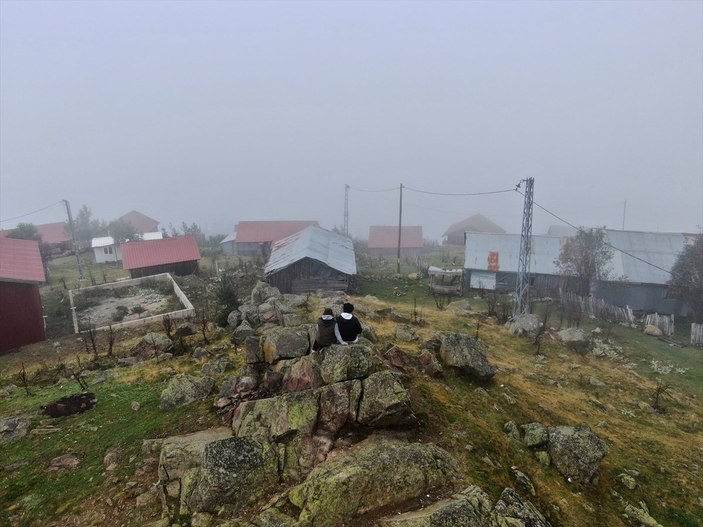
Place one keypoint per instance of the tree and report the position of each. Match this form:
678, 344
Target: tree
85, 226
687, 277
585, 257
122, 231
25, 231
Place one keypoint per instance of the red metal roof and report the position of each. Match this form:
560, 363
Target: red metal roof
149, 253
20, 261
268, 231
141, 222
386, 237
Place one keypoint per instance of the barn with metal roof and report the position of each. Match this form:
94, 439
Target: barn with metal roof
311, 260
21, 314
254, 238
178, 255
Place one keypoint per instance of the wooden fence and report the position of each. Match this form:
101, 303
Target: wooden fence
664, 322
597, 308
697, 334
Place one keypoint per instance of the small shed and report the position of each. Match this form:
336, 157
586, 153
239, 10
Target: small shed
228, 244
448, 282
254, 238
105, 249
383, 239
311, 260
178, 255
21, 314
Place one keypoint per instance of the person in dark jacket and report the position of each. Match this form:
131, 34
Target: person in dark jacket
349, 325
327, 331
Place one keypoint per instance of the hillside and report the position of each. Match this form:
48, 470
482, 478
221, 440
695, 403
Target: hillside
653, 459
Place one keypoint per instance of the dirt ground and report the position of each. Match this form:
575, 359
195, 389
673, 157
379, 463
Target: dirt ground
152, 302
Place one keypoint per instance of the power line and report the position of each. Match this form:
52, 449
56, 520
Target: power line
30, 213
459, 193
381, 190
668, 271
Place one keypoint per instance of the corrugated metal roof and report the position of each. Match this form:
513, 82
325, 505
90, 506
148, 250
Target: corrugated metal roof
330, 248
476, 223
229, 238
156, 235
149, 253
268, 231
386, 237
20, 261
102, 241
500, 252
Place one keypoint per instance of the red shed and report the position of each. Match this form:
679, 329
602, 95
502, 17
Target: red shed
178, 255
21, 315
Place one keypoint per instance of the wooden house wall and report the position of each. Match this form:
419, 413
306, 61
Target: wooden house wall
21, 316
179, 269
308, 275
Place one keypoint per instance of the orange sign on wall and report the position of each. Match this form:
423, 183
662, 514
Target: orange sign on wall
493, 261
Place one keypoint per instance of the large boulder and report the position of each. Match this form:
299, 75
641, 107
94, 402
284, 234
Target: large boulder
303, 374
157, 341
13, 428
234, 318
406, 333
343, 363
513, 509
234, 472
339, 403
285, 343
263, 292
535, 435
185, 389
524, 325
377, 473
250, 314
252, 349
217, 365
576, 339
467, 354
576, 452
269, 313
385, 402
242, 332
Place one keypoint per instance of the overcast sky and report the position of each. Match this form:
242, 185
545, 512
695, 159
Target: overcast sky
216, 112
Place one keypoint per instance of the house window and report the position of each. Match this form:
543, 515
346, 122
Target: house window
107, 250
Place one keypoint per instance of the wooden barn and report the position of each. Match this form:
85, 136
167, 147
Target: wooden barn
383, 239
254, 238
141, 222
454, 235
313, 259
21, 314
178, 255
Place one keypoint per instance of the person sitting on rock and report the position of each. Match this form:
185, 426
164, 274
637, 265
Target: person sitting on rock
349, 325
327, 331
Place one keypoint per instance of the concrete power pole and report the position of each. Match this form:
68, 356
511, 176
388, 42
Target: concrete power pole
346, 210
73, 238
400, 224
522, 292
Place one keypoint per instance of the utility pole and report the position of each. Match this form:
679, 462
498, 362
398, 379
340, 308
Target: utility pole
400, 224
522, 292
73, 238
346, 210
624, 209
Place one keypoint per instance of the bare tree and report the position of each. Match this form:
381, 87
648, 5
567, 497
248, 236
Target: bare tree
110, 339
542, 329
23, 378
585, 256
661, 390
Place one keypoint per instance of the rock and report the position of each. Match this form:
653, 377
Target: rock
640, 516
285, 343
134, 405
595, 381
385, 402
291, 320
7, 391
263, 292
535, 435
186, 329
127, 361
511, 429
378, 472
398, 358
512, 509
406, 333
218, 365
252, 348
250, 314
234, 318
242, 332
481, 392
295, 301
234, 472
157, 341
13, 428
185, 389
467, 354
524, 325
150, 497
543, 458
368, 333
338, 405
576, 452
269, 314
343, 363
460, 307
429, 363
67, 461
576, 339
627, 481
652, 331
523, 481
304, 374
201, 353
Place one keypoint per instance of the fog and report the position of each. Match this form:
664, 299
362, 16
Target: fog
217, 112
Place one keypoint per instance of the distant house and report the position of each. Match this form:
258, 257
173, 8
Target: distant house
21, 315
53, 234
105, 249
383, 239
311, 260
228, 244
178, 255
491, 262
254, 238
454, 235
141, 222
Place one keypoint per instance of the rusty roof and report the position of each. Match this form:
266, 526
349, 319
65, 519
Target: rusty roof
386, 237
269, 231
141, 222
20, 261
150, 253
475, 223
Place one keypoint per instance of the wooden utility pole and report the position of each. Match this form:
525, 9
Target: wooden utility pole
400, 225
73, 238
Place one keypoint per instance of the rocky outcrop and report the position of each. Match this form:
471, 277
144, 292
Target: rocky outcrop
385, 402
185, 389
378, 472
285, 343
576, 452
263, 292
467, 354
242, 332
343, 363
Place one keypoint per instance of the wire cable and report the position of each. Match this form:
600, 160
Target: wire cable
459, 193
381, 190
30, 213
